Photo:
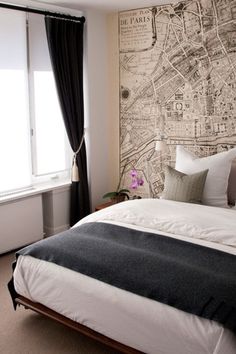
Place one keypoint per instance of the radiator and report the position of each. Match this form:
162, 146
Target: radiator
21, 222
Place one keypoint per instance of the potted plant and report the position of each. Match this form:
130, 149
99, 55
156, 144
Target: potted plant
119, 195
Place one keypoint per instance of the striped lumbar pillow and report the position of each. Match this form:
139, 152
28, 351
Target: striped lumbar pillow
184, 188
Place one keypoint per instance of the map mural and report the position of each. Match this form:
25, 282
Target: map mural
177, 84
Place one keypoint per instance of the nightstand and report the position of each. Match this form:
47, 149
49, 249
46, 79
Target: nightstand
104, 205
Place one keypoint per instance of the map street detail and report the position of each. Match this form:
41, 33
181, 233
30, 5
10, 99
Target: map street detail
177, 84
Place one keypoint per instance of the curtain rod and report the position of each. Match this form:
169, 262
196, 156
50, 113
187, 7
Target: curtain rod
42, 12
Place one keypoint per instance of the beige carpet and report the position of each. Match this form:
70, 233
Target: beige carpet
25, 332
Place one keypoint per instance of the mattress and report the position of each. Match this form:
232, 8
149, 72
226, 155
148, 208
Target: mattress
136, 321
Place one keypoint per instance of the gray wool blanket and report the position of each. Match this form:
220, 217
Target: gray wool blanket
189, 277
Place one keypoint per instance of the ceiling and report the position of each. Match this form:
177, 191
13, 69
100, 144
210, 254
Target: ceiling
106, 5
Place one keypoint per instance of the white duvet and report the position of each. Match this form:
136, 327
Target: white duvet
136, 321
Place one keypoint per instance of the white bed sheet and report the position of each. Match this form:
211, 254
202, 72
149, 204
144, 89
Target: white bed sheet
136, 321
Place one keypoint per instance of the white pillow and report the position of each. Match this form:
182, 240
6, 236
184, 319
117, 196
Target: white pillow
218, 165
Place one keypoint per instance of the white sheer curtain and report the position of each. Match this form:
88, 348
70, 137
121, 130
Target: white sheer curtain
33, 141
15, 156
51, 144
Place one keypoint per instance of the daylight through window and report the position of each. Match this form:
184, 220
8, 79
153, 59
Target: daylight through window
33, 142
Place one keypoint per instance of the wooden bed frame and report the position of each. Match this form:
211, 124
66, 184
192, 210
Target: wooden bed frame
41, 309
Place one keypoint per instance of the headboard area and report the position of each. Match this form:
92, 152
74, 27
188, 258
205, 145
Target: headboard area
177, 86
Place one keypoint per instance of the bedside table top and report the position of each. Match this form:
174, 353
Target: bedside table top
103, 205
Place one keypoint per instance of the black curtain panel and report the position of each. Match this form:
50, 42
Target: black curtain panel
65, 42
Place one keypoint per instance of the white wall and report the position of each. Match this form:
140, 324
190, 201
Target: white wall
103, 130
21, 222
56, 206
113, 100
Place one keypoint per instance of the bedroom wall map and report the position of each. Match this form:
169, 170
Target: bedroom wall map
177, 83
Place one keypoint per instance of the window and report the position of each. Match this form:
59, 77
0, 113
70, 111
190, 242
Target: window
33, 142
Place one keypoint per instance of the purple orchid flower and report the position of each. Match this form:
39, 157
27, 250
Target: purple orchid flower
133, 173
134, 184
136, 180
140, 181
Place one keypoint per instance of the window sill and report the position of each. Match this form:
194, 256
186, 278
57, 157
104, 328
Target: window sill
37, 189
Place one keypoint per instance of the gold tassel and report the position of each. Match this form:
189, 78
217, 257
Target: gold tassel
74, 171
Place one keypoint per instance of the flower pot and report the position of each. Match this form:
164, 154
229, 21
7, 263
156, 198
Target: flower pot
118, 199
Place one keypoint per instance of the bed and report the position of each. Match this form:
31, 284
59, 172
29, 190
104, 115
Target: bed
115, 315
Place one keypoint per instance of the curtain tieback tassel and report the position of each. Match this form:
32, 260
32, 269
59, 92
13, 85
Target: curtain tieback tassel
75, 170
